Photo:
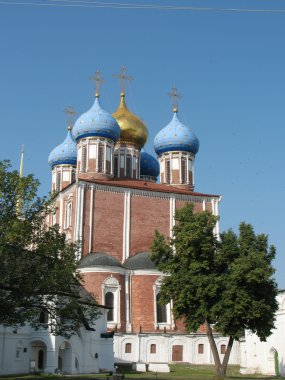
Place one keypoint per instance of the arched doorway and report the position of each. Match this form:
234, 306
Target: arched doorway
65, 357
38, 356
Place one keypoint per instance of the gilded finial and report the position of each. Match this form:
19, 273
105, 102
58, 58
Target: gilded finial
70, 111
98, 81
123, 78
175, 96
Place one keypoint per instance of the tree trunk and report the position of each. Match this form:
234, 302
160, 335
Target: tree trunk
227, 356
214, 350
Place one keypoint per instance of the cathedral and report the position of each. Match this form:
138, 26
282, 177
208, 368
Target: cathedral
111, 197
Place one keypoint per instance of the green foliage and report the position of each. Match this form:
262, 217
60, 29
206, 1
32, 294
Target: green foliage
37, 265
226, 283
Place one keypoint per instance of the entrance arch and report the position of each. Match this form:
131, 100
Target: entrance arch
38, 356
65, 357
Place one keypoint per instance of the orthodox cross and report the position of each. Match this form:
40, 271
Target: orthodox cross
175, 96
123, 78
70, 111
98, 81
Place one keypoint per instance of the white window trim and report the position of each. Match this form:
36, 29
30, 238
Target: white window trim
111, 284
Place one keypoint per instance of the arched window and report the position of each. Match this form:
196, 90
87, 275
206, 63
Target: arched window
183, 170
101, 158
223, 348
108, 159
84, 159
128, 348
167, 171
116, 167
43, 318
109, 301
129, 166
161, 313
58, 182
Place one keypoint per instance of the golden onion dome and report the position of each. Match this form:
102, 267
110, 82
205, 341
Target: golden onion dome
133, 130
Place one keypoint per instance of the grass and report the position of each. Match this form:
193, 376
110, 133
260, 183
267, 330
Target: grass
178, 371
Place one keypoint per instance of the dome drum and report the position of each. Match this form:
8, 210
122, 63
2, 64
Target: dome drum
95, 158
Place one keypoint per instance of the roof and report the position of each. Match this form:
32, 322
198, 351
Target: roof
98, 259
139, 261
147, 186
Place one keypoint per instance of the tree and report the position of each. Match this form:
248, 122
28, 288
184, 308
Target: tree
225, 284
38, 274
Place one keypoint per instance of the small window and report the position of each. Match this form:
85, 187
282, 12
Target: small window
101, 158
58, 182
167, 171
73, 176
223, 349
129, 166
109, 301
128, 348
43, 318
153, 348
116, 167
84, 159
18, 353
108, 159
201, 348
183, 170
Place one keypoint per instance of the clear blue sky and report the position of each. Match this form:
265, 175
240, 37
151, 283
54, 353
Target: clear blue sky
229, 67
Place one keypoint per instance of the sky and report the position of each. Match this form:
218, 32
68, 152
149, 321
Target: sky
229, 67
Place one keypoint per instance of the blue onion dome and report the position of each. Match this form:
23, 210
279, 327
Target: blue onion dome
176, 137
65, 153
149, 165
96, 122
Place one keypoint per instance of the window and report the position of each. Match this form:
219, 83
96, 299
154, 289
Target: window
73, 175
108, 159
153, 348
223, 349
84, 159
128, 348
183, 170
161, 313
68, 214
43, 317
101, 158
109, 301
129, 166
116, 167
167, 171
58, 182
200, 348
111, 298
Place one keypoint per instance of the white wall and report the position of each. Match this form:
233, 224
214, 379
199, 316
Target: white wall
257, 356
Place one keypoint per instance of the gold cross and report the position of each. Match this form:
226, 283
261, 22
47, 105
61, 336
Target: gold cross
176, 96
98, 81
123, 78
70, 111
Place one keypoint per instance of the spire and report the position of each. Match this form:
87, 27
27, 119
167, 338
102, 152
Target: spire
98, 81
19, 201
175, 96
21, 162
70, 111
123, 78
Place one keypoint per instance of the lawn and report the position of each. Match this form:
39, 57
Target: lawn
178, 371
